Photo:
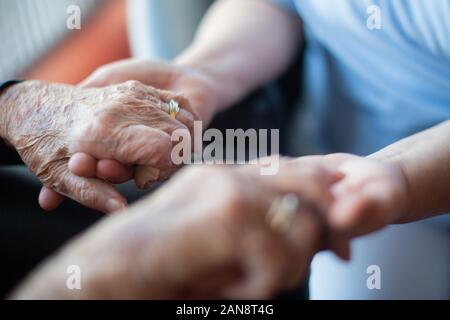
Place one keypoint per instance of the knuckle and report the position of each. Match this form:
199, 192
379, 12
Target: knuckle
232, 199
128, 89
96, 127
142, 150
107, 115
135, 89
188, 120
161, 145
160, 150
130, 84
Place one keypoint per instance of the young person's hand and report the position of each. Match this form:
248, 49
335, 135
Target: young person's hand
370, 195
198, 89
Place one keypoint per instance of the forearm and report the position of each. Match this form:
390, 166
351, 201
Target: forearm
5, 106
101, 258
8, 156
242, 44
425, 161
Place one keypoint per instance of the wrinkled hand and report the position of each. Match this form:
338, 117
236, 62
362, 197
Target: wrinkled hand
126, 123
213, 241
371, 194
196, 87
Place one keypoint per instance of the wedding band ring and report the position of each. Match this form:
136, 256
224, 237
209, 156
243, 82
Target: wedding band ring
174, 108
282, 212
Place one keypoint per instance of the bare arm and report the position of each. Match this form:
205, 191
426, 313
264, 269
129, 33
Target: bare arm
239, 46
243, 44
404, 182
425, 162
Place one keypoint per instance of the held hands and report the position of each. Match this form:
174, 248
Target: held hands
351, 195
105, 133
200, 88
125, 123
222, 241
214, 241
199, 99
217, 241
370, 195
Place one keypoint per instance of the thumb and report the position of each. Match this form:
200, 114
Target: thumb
49, 200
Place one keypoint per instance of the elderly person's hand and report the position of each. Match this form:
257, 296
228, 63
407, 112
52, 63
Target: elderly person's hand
127, 123
200, 92
199, 88
214, 241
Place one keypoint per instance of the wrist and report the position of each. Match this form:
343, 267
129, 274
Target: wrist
405, 196
406, 204
15, 102
7, 104
223, 89
206, 96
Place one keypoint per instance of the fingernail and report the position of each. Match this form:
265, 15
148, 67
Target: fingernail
113, 205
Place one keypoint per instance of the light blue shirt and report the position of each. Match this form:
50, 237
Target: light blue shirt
364, 89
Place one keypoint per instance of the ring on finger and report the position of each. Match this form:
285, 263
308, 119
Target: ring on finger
174, 108
282, 212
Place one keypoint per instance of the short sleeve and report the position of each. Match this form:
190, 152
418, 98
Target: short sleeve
285, 4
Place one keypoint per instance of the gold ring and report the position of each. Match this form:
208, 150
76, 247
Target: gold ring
282, 212
174, 108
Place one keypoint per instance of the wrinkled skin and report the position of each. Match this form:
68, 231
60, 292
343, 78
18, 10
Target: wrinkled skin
197, 87
127, 123
209, 242
371, 194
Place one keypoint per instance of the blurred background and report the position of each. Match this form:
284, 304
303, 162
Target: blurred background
37, 44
